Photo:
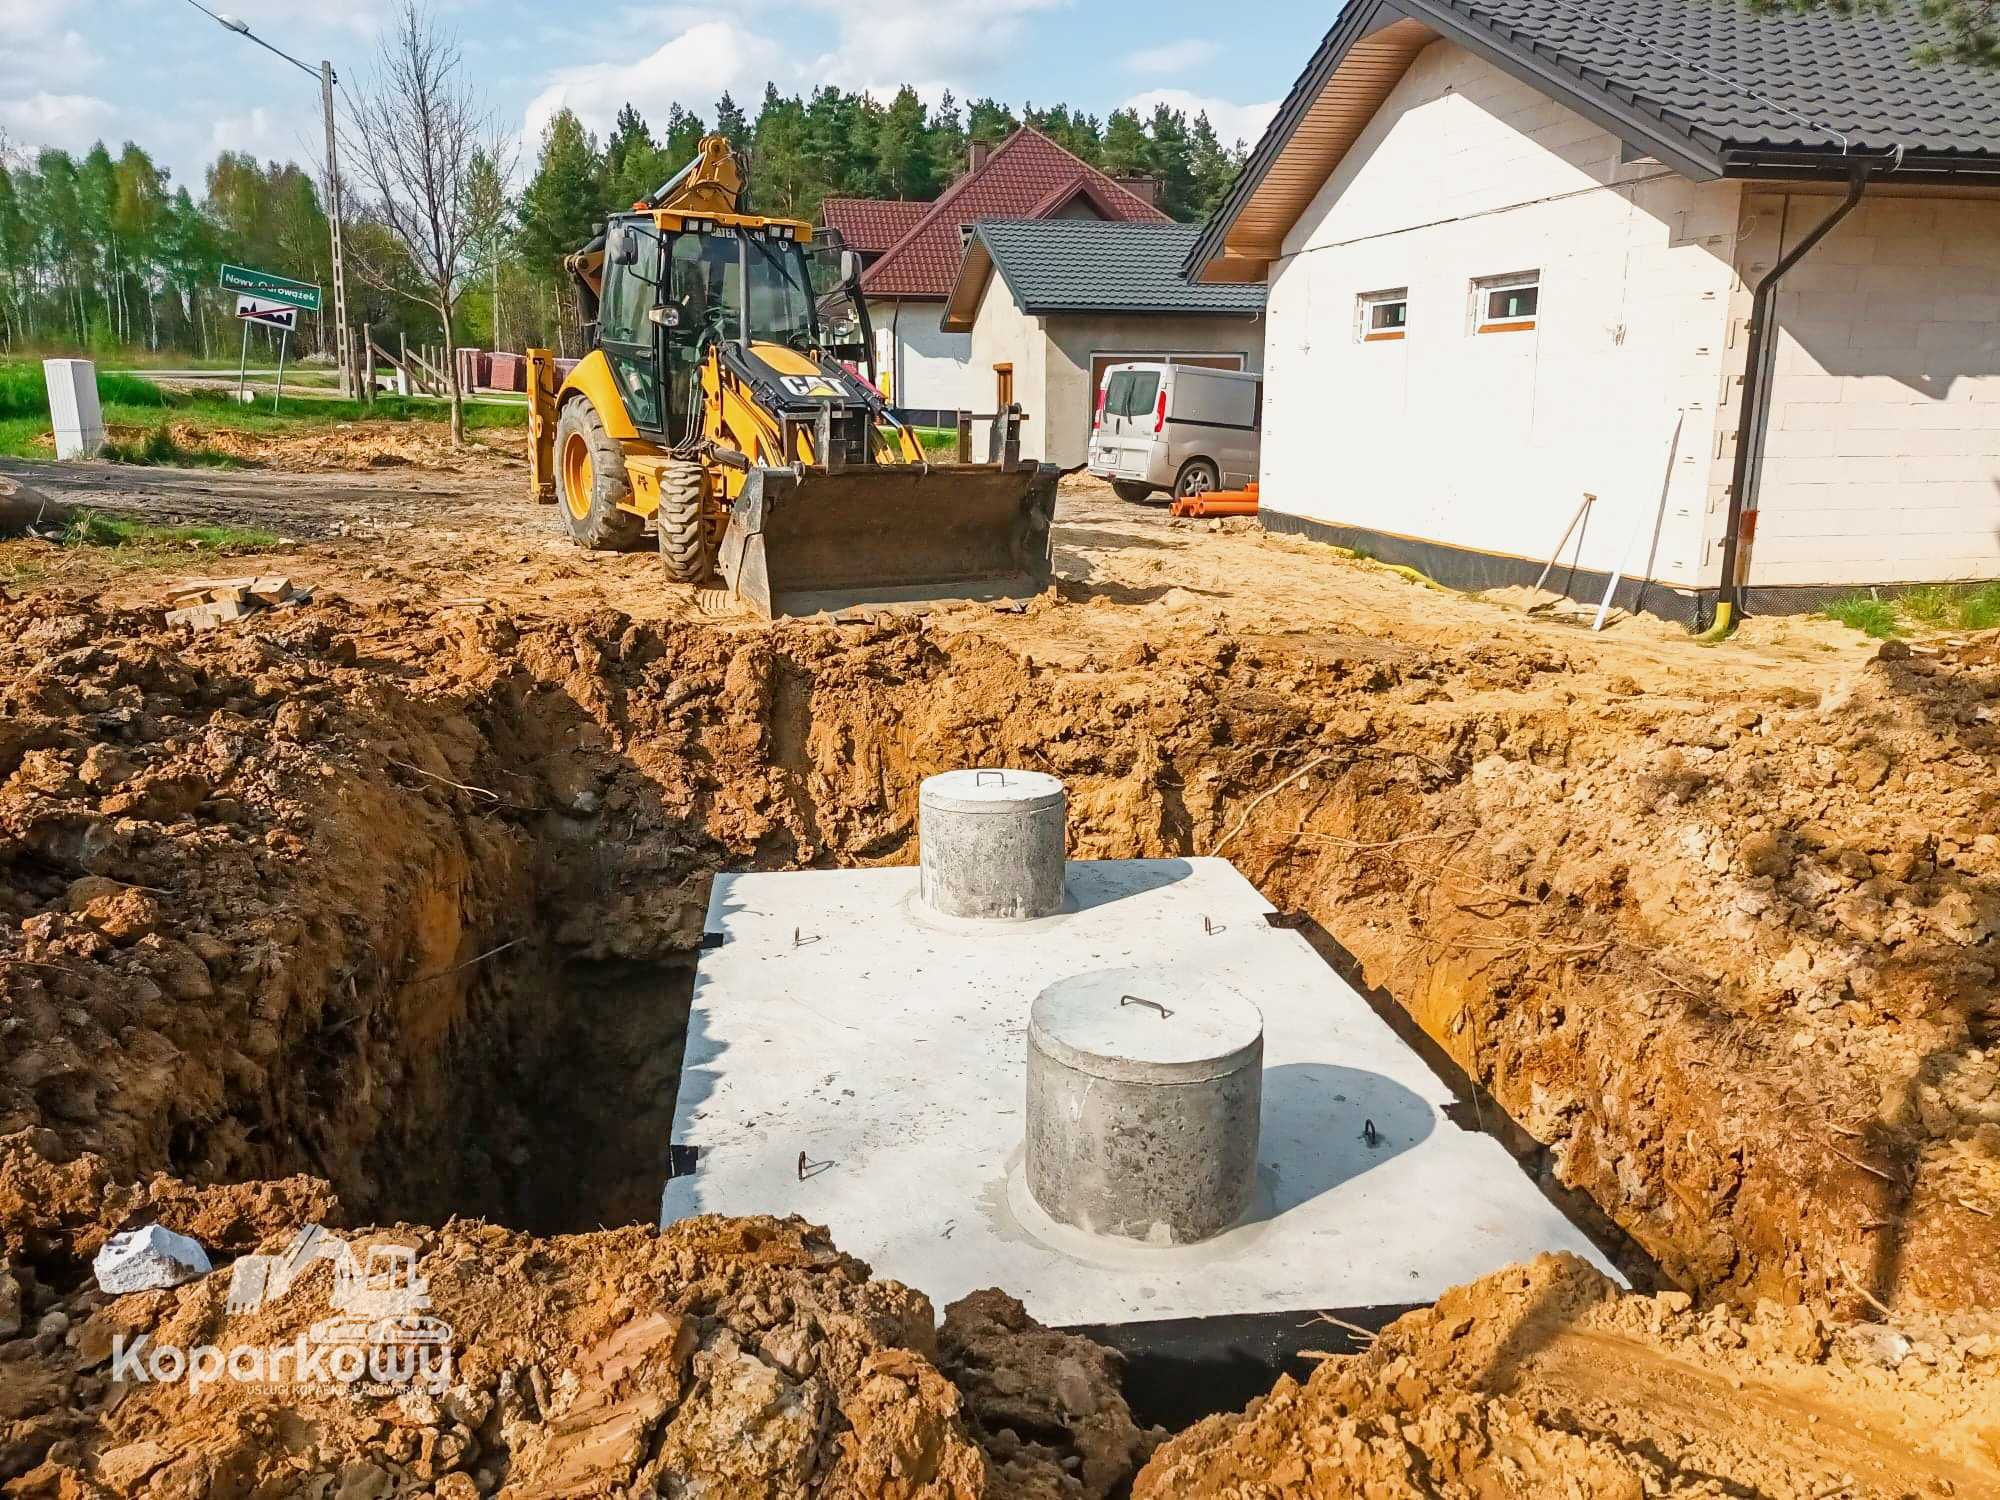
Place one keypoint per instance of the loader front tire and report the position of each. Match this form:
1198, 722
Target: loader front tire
682, 527
591, 482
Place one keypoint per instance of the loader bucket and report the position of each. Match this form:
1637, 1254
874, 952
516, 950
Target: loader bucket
802, 541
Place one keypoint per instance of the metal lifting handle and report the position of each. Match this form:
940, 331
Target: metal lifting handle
1125, 1000
1000, 776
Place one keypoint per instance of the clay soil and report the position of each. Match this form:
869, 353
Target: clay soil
380, 911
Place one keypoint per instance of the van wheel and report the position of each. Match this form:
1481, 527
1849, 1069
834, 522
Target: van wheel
591, 482
1197, 478
681, 525
1125, 489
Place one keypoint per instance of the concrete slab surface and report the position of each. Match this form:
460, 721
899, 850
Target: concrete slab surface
840, 1020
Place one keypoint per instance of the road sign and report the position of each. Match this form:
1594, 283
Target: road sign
270, 314
271, 288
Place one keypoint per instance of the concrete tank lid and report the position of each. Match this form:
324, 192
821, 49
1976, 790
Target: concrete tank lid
1109, 1024
991, 790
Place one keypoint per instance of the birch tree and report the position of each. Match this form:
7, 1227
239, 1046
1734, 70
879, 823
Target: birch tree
414, 129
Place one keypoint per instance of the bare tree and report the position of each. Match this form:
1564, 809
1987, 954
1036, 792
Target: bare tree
416, 128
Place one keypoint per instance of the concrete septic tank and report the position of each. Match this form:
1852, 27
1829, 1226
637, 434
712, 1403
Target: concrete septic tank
993, 844
855, 1057
1143, 1103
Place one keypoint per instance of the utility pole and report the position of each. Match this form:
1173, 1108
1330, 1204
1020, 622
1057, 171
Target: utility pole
343, 345
343, 349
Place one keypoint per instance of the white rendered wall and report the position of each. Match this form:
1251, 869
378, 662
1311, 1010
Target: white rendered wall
1488, 442
931, 367
1003, 334
1882, 450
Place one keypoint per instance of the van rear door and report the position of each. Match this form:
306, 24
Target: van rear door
1133, 434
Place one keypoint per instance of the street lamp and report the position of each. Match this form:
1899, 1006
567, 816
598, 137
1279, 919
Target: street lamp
324, 72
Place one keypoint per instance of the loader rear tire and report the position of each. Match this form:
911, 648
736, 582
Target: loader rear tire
681, 524
591, 482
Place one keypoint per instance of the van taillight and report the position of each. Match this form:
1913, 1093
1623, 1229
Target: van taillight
1098, 420
1159, 412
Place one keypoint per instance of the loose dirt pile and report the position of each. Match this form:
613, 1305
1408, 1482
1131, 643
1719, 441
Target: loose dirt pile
405, 900
1543, 1380
726, 1357
339, 448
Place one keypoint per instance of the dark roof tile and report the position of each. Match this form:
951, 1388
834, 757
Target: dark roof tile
1088, 265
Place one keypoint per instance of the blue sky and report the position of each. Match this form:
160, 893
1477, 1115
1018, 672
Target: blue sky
159, 72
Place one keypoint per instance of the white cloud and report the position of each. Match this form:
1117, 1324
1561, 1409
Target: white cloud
928, 39
1171, 57
692, 69
48, 119
1233, 122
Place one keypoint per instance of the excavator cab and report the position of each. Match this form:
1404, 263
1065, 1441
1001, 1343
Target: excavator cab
731, 399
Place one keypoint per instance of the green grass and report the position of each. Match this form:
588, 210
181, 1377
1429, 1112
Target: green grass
123, 543
89, 528
24, 393
937, 442
1929, 609
1869, 615
131, 401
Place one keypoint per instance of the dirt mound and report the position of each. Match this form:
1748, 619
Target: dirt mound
739, 1357
1544, 1379
338, 448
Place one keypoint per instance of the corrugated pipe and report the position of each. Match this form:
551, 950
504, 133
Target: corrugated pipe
1753, 410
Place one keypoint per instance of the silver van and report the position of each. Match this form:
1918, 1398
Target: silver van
1184, 429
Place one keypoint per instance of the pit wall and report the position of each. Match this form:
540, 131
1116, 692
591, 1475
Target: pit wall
1882, 451
1488, 442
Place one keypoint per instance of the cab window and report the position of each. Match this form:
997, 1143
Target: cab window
628, 294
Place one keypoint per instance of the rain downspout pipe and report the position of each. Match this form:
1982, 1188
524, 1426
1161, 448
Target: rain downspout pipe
1754, 408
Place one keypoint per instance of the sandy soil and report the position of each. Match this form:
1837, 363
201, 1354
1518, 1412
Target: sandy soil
367, 890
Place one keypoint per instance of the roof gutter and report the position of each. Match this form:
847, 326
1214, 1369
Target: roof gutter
1754, 409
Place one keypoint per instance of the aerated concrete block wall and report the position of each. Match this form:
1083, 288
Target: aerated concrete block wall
1882, 449
1487, 442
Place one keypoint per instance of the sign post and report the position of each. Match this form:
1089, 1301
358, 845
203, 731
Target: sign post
276, 302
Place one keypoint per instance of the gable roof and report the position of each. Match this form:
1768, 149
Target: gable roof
1709, 87
1090, 266
871, 225
1026, 175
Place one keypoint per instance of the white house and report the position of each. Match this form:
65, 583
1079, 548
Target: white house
1514, 251
926, 370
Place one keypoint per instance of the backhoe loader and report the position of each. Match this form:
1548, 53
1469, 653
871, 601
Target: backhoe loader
731, 400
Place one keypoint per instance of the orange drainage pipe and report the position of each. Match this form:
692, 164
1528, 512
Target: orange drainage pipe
1241, 502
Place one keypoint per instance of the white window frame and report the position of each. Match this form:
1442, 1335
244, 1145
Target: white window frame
1482, 293
1364, 316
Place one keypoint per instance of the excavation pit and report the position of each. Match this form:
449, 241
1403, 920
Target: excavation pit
855, 1061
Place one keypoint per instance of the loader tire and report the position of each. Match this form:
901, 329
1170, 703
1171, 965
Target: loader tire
681, 524
591, 482
1125, 489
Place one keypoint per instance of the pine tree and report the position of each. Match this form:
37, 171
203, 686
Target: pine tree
904, 167
1211, 165
1127, 152
779, 175
946, 146
563, 199
1171, 164
730, 121
990, 121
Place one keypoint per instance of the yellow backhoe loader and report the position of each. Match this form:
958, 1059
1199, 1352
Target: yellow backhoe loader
731, 401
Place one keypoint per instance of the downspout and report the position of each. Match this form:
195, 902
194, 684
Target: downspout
1754, 409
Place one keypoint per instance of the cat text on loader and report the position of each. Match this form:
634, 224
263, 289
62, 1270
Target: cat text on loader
723, 403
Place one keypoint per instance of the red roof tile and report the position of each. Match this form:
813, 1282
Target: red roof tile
871, 225
1027, 176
